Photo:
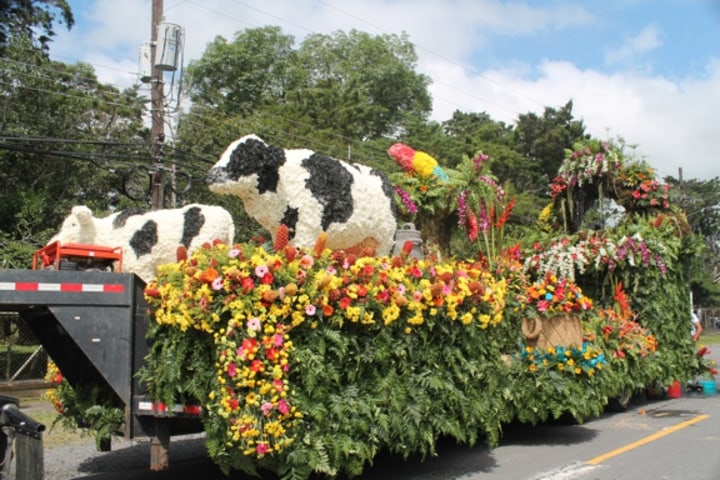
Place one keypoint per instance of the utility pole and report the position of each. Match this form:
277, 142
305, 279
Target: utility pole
157, 105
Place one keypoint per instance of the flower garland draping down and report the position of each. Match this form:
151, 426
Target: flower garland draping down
250, 300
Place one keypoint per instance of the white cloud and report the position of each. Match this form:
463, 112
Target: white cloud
671, 123
647, 40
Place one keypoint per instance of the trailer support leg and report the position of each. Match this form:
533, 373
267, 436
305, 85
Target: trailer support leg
160, 446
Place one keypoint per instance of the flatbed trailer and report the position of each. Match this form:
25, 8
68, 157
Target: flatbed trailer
93, 325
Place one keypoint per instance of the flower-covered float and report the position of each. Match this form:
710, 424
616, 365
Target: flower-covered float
311, 360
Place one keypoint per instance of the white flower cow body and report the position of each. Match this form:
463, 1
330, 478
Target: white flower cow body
309, 193
148, 238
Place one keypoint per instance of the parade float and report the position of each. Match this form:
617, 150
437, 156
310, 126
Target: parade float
308, 360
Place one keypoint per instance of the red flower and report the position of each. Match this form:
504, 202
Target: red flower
152, 292
271, 354
247, 284
407, 248
472, 225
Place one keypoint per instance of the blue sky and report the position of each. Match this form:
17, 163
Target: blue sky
644, 70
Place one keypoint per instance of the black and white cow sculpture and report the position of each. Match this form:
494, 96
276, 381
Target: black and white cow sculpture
148, 238
308, 192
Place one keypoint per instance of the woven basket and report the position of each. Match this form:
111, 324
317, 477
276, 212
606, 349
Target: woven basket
558, 330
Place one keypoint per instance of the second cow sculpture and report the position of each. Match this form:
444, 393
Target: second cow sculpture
148, 238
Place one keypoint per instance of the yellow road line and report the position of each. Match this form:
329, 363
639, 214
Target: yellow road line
648, 439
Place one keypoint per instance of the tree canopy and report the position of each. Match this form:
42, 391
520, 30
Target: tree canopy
32, 19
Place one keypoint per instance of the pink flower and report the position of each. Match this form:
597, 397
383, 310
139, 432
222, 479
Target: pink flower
307, 261
266, 408
253, 324
234, 253
283, 406
262, 448
217, 284
278, 340
310, 310
232, 369
261, 271
279, 385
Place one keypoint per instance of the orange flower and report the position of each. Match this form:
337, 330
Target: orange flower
320, 244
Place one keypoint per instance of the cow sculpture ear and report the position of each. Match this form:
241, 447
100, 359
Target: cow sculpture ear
82, 212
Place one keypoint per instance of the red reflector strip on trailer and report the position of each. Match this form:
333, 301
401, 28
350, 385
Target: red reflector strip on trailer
160, 407
63, 287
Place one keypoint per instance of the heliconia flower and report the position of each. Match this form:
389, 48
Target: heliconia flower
506, 214
472, 223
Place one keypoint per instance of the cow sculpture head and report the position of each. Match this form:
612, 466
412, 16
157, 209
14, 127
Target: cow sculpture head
78, 227
247, 167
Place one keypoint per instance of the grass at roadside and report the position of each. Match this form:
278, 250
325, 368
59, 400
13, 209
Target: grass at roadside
35, 405
58, 435
710, 337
